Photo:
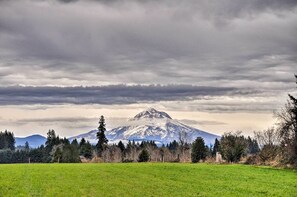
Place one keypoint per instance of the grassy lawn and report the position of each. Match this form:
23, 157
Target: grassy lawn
145, 179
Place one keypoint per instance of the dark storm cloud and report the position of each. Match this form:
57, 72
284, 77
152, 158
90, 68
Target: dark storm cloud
109, 95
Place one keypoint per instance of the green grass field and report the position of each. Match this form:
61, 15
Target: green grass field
145, 179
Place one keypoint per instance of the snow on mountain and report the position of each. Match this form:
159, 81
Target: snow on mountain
151, 113
90, 136
151, 125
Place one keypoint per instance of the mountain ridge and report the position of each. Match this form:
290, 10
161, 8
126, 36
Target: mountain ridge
33, 140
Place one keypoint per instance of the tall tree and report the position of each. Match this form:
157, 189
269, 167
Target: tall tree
27, 146
144, 156
82, 142
294, 128
216, 147
75, 143
253, 146
85, 148
102, 140
173, 146
51, 140
199, 150
7, 140
288, 129
121, 146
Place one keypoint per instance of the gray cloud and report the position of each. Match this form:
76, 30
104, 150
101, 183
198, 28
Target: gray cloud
229, 5
249, 46
58, 119
202, 122
93, 42
76, 123
110, 95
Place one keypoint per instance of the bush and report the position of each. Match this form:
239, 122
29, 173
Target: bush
127, 160
233, 146
252, 160
268, 153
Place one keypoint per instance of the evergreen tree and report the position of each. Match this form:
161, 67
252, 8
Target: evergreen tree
173, 146
85, 148
216, 147
51, 140
82, 142
121, 146
129, 147
75, 143
143, 156
102, 140
199, 150
27, 147
7, 140
64, 141
253, 146
38, 155
88, 150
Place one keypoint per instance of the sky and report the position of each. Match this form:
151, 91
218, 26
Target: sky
219, 66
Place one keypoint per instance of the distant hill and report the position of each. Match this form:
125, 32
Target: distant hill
33, 140
151, 124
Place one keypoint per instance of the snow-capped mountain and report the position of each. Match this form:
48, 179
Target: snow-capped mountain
151, 125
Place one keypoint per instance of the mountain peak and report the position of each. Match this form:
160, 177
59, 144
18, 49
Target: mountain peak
152, 113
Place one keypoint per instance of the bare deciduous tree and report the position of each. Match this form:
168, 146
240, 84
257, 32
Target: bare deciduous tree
269, 136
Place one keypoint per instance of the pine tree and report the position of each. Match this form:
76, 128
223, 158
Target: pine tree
75, 143
7, 140
51, 140
216, 147
253, 146
27, 147
199, 150
121, 146
173, 146
85, 148
143, 156
123, 149
82, 142
102, 140
88, 150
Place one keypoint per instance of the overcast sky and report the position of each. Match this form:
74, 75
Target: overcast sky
216, 65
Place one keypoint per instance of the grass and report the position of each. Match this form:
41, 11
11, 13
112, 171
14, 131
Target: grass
145, 179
